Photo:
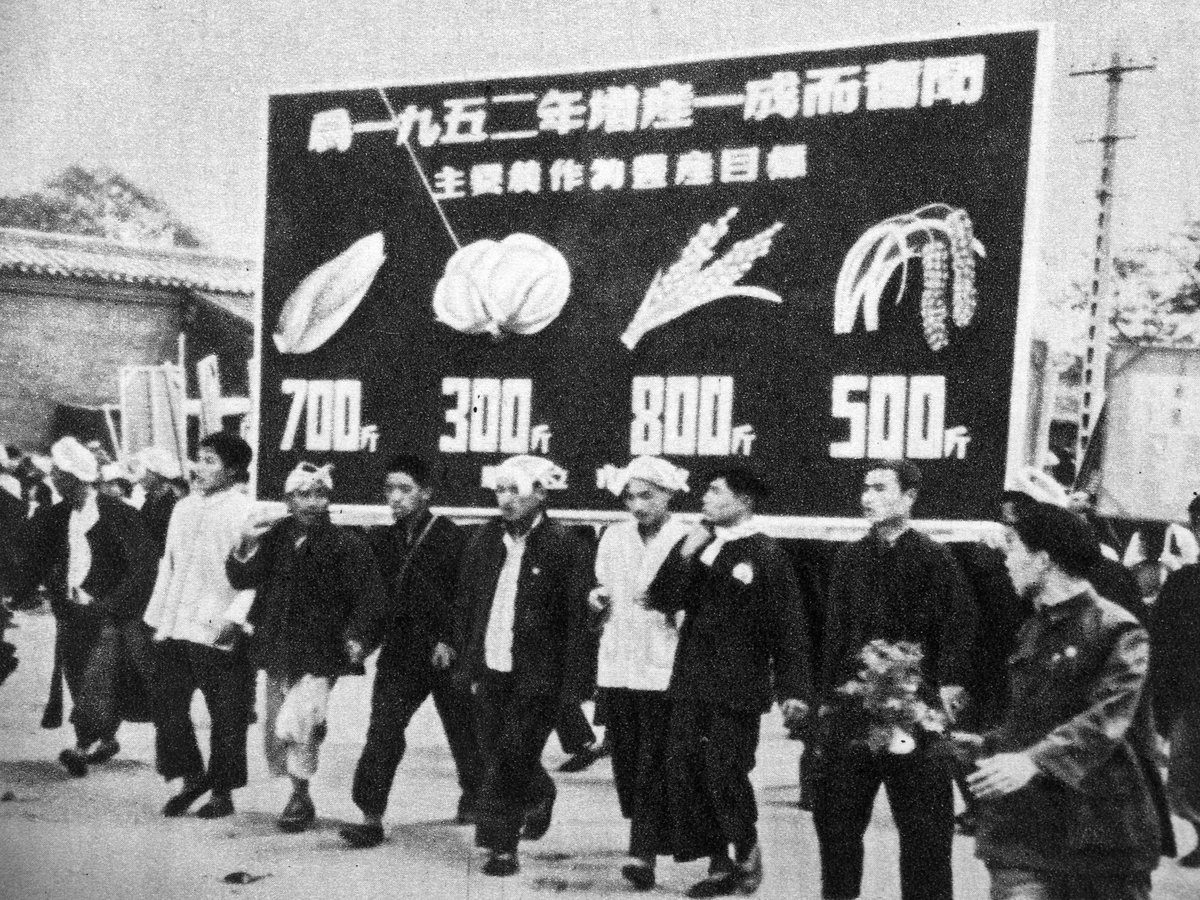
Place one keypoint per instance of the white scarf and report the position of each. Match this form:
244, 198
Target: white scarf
79, 560
745, 528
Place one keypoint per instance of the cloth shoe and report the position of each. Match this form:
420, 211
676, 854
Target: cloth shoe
298, 814
193, 790
74, 761
218, 807
584, 758
722, 880
501, 864
639, 873
537, 820
105, 750
750, 871
362, 836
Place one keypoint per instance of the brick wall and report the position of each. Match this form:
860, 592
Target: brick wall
64, 340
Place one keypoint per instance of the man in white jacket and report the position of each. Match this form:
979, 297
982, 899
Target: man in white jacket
198, 616
637, 651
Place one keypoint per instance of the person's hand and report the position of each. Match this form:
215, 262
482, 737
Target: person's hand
794, 711
229, 633
967, 739
599, 600
1002, 774
954, 699
443, 656
700, 535
354, 652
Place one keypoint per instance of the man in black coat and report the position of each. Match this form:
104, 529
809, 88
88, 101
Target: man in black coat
522, 605
1071, 793
744, 642
1175, 683
419, 557
896, 585
95, 557
312, 579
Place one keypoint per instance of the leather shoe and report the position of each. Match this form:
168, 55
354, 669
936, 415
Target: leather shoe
105, 750
298, 814
583, 759
537, 820
716, 884
639, 873
178, 805
362, 836
74, 761
750, 871
501, 864
218, 807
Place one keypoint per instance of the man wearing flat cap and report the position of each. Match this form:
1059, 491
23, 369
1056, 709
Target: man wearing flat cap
94, 555
744, 644
521, 603
312, 579
1071, 799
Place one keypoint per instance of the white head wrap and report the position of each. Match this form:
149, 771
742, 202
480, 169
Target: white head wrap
1041, 486
160, 461
111, 471
653, 469
525, 472
75, 459
307, 475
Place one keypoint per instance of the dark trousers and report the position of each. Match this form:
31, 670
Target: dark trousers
110, 670
710, 754
921, 796
638, 727
398, 693
574, 731
513, 728
77, 630
227, 682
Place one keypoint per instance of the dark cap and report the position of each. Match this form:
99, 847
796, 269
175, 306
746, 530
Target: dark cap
1064, 536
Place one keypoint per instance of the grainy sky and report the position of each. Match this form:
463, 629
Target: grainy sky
172, 94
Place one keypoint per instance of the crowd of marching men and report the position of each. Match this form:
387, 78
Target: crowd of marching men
1022, 672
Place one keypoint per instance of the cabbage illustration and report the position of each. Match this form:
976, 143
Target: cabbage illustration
516, 286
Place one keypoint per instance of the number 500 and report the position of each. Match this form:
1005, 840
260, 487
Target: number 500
890, 416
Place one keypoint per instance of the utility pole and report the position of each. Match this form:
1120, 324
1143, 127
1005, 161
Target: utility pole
1095, 362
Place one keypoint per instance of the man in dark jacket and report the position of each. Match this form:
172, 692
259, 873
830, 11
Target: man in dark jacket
896, 585
94, 556
744, 643
419, 556
522, 606
312, 579
1072, 799
1175, 683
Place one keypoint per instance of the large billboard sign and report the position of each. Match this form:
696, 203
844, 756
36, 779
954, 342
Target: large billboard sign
804, 261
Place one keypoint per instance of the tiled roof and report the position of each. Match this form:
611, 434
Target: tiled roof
71, 256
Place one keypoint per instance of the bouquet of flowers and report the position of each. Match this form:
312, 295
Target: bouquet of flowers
887, 689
